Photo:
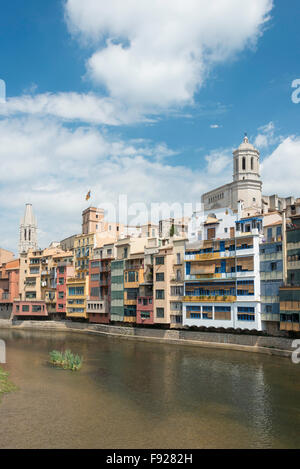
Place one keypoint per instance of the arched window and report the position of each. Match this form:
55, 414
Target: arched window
252, 163
25, 234
244, 163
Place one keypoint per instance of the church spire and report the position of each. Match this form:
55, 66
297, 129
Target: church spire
28, 231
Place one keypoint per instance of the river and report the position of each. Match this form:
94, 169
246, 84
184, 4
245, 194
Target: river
146, 395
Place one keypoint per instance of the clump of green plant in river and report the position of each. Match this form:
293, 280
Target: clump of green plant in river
66, 360
5, 384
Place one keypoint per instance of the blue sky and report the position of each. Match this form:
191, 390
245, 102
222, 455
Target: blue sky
142, 99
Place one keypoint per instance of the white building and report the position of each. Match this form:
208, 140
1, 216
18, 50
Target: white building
222, 279
246, 185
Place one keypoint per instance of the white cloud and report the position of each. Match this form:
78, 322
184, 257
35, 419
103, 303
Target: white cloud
266, 136
53, 166
281, 169
155, 55
70, 106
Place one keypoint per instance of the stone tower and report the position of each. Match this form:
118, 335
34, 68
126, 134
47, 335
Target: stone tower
28, 231
246, 162
247, 185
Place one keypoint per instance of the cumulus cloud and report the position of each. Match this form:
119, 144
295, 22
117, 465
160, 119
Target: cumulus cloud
155, 55
71, 106
266, 136
53, 165
280, 170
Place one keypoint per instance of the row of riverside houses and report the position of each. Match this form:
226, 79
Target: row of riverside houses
234, 265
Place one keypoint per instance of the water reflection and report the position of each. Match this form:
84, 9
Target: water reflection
132, 394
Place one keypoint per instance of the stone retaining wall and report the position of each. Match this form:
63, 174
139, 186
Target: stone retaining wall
249, 343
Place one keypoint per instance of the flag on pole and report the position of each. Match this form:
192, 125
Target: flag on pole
88, 195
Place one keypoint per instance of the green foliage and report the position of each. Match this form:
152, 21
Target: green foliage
172, 231
5, 384
66, 360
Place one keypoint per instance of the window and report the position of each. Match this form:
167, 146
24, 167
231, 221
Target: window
30, 295
95, 277
95, 291
34, 270
160, 312
246, 314
160, 260
176, 291
160, 294
252, 164
131, 276
61, 281
273, 266
25, 308
145, 315
269, 234
244, 163
36, 308
178, 258
160, 277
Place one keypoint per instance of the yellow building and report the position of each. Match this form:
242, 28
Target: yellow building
77, 294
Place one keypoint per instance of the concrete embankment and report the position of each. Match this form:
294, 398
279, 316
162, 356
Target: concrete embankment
279, 346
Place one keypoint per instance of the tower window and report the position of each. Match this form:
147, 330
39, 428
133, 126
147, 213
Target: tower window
244, 163
252, 163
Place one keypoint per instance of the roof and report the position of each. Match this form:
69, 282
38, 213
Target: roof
211, 221
12, 265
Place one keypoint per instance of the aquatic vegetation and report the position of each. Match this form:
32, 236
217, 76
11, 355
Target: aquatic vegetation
66, 360
5, 384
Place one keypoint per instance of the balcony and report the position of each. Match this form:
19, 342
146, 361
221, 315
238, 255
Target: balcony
274, 275
209, 299
270, 317
293, 265
245, 273
245, 252
289, 306
97, 306
290, 326
229, 275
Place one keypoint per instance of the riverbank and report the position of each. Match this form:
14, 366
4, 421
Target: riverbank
278, 346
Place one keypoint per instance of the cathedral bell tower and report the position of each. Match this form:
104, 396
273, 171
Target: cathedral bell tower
28, 231
246, 162
247, 185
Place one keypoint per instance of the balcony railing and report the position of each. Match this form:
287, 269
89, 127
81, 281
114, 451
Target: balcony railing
210, 299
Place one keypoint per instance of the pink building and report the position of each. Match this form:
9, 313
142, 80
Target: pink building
9, 287
144, 310
32, 309
64, 270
